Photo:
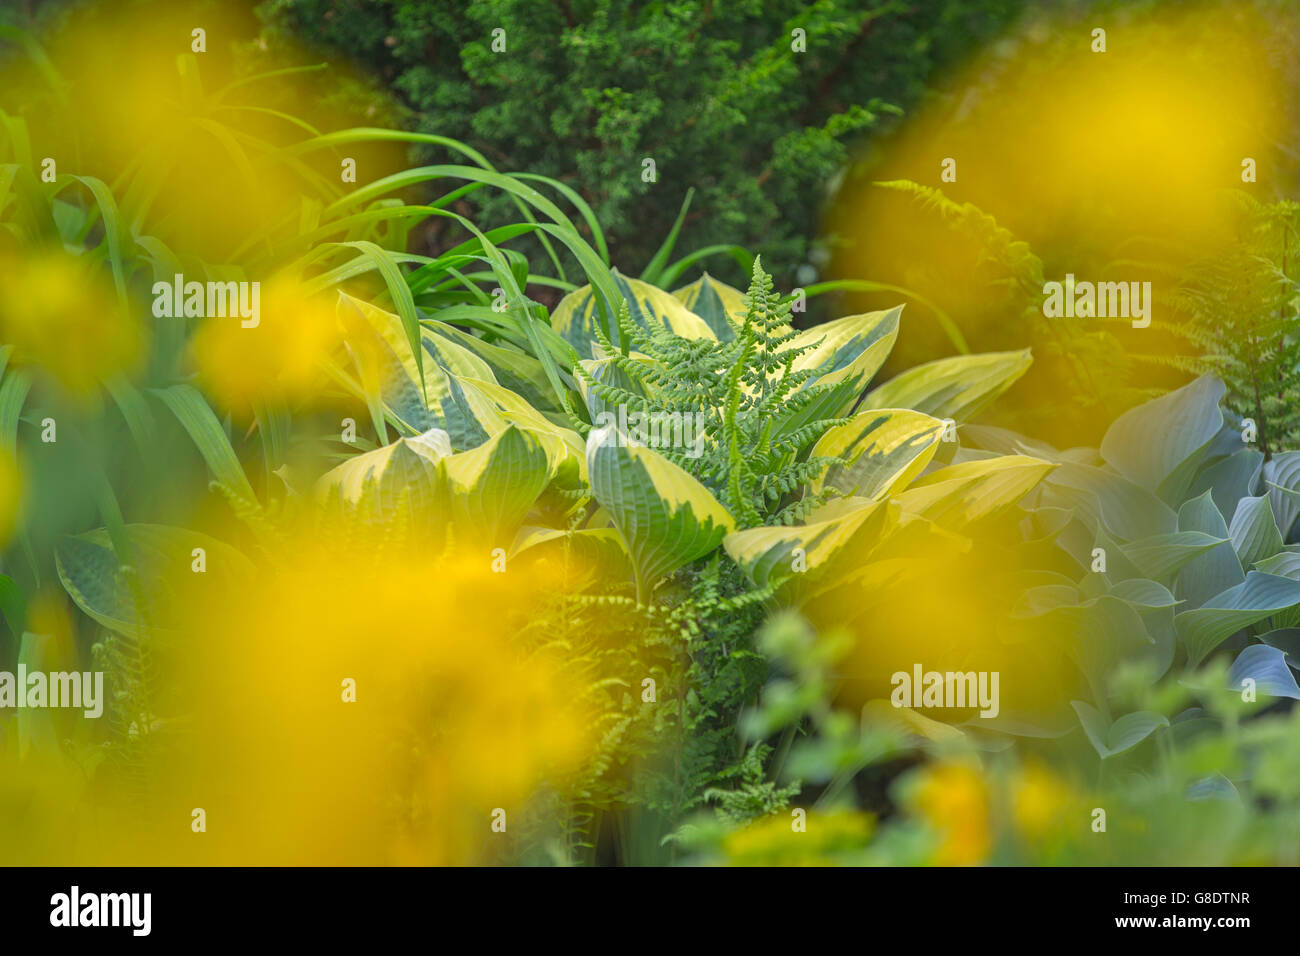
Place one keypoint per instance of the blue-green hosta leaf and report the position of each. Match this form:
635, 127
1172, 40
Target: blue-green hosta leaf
1258, 597
494, 486
1046, 597
1281, 477
1253, 531
959, 495
1285, 639
1163, 555
577, 313
1003, 441
1219, 568
713, 301
1160, 444
1124, 734
1125, 509
144, 596
1267, 667
1098, 633
1230, 480
886, 449
780, 554
1284, 564
956, 388
665, 517
380, 481
1144, 593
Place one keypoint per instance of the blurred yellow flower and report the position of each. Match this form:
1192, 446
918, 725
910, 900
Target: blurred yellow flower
280, 359
367, 705
954, 799
65, 317
1041, 801
774, 841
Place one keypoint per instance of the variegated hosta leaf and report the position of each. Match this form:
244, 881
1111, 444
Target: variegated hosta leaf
959, 495
469, 404
380, 481
603, 370
516, 370
597, 551
564, 447
664, 515
845, 353
713, 301
494, 486
779, 555
955, 388
144, 598
886, 448
849, 349
577, 313
378, 342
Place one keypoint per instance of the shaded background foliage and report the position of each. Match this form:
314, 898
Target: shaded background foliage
712, 92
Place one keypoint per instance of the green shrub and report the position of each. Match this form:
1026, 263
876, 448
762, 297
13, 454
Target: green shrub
585, 91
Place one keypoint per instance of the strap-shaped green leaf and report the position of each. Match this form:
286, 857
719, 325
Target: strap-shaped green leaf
200, 421
666, 518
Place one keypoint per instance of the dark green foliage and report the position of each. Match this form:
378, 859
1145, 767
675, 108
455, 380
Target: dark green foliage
1242, 311
710, 618
713, 92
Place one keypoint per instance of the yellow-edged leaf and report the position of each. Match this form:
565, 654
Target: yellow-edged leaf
886, 449
665, 517
955, 388
576, 315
